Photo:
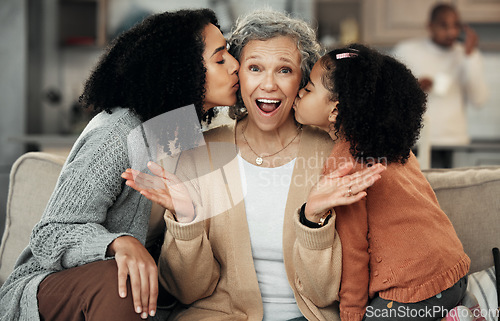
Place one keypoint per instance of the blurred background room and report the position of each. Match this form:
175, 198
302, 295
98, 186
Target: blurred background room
48, 48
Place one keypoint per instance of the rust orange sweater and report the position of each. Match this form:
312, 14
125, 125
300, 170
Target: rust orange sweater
396, 242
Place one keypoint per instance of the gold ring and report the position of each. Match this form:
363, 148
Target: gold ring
349, 192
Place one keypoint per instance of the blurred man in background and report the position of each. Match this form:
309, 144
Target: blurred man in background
449, 68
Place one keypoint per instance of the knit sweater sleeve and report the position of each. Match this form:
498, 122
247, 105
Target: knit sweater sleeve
317, 259
71, 231
187, 266
352, 226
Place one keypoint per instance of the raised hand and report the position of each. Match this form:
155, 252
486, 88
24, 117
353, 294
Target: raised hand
338, 188
163, 188
471, 39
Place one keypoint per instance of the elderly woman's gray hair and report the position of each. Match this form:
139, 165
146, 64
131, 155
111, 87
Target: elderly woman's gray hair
267, 24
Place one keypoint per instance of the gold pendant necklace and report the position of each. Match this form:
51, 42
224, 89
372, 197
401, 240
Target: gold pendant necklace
260, 159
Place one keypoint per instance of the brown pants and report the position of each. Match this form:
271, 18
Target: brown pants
88, 292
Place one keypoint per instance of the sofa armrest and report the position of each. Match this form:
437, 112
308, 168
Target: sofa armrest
471, 199
32, 179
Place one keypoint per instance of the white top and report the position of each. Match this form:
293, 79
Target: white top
266, 192
458, 79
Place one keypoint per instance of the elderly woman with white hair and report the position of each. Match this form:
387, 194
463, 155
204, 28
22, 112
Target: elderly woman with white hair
245, 250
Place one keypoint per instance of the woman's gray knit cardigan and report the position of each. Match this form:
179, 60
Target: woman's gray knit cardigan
89, 208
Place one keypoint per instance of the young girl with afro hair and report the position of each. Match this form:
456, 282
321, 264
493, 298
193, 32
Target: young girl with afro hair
401, 257
89, 256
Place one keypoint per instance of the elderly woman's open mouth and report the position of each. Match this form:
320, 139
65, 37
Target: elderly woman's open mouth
268, 105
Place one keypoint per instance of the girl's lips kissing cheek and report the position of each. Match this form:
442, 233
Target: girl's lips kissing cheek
267, 106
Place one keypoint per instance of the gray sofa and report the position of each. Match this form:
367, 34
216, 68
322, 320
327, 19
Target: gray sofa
469, 196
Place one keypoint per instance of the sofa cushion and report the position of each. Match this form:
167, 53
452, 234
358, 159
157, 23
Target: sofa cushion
32, 179
471, 199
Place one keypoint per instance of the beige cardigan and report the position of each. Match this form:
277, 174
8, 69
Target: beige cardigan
208, 264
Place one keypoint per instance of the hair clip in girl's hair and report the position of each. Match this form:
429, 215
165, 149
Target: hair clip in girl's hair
345, 55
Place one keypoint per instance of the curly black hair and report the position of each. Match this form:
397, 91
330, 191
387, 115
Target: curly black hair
380, 103
154, 67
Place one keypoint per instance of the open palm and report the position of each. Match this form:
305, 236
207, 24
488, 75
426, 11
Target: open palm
340, 188
163, 188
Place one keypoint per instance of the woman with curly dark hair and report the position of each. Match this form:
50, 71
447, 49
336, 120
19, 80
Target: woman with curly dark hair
87, 258
401, 256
